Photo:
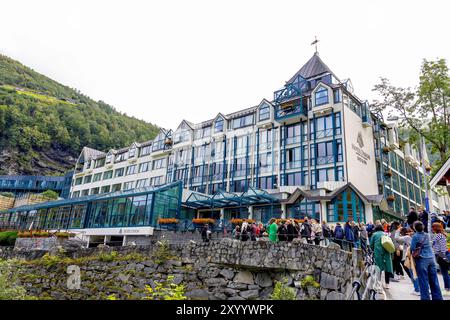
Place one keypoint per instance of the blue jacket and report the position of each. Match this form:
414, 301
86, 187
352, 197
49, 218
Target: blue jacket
349, 236
427, 250
338, 232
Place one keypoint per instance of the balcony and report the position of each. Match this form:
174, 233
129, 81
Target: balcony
286, 111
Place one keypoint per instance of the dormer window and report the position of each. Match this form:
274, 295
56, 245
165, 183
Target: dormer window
108, 158
321, 96
132, 152
218, 126
203, 133
264, 113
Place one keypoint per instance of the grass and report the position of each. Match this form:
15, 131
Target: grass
49, 100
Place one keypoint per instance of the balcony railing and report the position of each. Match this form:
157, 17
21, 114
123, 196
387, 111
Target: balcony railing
288, 112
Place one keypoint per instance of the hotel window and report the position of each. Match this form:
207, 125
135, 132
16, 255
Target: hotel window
99, 163
242, 121
347, 205
78, 181
132, 152
264, 113
128, 185
105, 189
88, 179
97, 177
202, 133
141, 183
76, 194
121, 157
303, 208
266, 182
131, 169
340, 173
324, 153
95, 190
336, 96
322, 127
119, 172
107, 174
218, 125
321, 96
337, 123
85, 193
108, 158
146, 150
156, 181
144, 167
116, 187
158, 164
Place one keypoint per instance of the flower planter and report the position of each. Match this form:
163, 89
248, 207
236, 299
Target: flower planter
388, 174
390, 198
386, 149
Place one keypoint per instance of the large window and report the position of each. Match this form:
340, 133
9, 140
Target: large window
144, 167
99, 163
97, 177
128, 185
264, 113
321, 96
119, 172
322, 127
293, 133
218, 125
304, 208
131, 169
346, 206
78, 181
121, 157
146, 150
88, 179
202, 133
242, 121
107, 174
158, 164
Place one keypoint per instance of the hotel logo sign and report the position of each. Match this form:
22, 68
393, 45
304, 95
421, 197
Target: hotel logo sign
361, 155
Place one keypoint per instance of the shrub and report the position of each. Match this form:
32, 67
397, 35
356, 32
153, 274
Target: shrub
7, 194
162, 252
50, 194
9, 287
107, 256
282, 292
309, 281
166, 290
8, 238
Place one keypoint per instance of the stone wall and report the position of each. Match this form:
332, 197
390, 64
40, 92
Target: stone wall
226, 269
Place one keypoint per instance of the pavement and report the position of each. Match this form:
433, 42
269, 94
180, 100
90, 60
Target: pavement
402, 290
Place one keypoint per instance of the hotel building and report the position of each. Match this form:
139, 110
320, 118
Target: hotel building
314, 150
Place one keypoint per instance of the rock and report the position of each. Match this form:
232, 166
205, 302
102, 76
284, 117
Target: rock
200, 294
236, 298
334, 246
244, 277
334, 295
249, 294
265, 293
263, 280
328, 281
230, 292
178, 279
214, 282
238, 286
227, 273
297, 284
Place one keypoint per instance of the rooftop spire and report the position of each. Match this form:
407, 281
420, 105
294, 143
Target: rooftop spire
315, 43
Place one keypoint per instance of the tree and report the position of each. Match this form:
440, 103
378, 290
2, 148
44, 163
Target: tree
424, 110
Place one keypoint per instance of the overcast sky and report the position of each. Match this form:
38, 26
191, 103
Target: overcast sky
164, 61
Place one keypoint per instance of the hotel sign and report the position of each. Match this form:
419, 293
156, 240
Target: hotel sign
362, 156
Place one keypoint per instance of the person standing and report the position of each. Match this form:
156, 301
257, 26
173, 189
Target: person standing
425, 264
356, 236
423, 217
273, 228
364, 236
349, 236
382, 258
398, 254
412, 217
369, 229
441, 253
403, 238
317, 231
282, 232
338, 234
326, 232
306, 230
204, 233
290, 230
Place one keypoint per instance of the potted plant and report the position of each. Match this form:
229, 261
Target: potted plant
168, 221
428, 168
386, 149
168, 141
388, 173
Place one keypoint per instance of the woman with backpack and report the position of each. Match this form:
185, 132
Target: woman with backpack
326, 232
338, 234
425, 261
382, 257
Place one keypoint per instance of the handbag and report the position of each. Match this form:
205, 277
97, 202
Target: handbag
416, 253
442, 259
387, 244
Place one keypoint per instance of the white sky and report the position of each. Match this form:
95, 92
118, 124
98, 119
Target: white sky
164, 61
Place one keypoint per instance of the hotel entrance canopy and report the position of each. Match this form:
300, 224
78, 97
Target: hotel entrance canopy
222, 199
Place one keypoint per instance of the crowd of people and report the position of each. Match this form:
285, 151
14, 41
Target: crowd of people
398, 247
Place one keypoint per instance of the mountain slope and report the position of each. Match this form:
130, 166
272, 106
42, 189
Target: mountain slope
44, 124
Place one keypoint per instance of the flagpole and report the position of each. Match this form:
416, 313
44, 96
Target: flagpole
425, 184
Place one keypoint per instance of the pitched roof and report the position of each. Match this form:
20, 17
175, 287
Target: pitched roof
314, 67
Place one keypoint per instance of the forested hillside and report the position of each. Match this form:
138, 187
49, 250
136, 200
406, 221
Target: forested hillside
44, 125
